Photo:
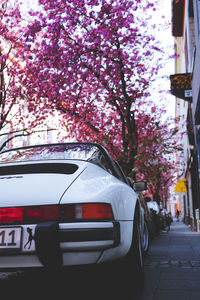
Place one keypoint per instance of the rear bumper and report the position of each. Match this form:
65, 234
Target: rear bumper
89, 236
65, 244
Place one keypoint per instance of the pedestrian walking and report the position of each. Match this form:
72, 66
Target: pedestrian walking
177, 215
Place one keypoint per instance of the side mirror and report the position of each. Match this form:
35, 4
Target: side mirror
139, 186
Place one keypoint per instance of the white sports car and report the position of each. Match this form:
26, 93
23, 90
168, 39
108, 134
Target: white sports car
68, 204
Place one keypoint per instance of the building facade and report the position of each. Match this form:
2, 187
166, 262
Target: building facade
186, 32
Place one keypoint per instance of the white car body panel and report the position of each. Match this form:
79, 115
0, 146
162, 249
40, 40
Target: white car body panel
89, 184
103, 187
34, 189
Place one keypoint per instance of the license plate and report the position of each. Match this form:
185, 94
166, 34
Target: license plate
10, 238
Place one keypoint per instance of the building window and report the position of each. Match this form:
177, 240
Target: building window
198, 15
190, 9
198, 145
197, 111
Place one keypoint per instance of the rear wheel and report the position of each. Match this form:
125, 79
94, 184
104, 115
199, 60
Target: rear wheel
131, 267
145, 244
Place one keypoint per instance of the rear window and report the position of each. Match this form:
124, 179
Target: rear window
50, 152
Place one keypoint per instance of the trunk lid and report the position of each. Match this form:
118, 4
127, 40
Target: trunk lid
24, 184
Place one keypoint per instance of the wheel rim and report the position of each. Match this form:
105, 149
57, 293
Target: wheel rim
140, 248
145, 237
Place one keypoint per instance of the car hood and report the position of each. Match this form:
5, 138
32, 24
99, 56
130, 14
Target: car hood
24, 184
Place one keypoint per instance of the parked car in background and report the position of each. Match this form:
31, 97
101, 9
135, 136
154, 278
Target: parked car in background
154, 206
166, 219
66, 205
161, 217
156, 217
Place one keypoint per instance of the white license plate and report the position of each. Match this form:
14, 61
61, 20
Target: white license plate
10, 237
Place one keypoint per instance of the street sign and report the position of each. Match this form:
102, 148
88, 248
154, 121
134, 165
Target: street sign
180, 186
181, 86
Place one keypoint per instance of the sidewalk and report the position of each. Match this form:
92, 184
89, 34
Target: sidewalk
172, 267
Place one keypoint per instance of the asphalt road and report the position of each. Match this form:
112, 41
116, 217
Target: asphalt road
172, 271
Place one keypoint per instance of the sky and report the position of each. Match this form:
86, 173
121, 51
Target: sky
167, 41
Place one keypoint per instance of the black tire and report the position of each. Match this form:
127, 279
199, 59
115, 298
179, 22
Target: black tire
136, 256
146, 238
132, 267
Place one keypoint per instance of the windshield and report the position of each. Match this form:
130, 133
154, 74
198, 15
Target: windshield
86, 152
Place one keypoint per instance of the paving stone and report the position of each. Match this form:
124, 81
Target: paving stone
174, 263
195, 264
172, 268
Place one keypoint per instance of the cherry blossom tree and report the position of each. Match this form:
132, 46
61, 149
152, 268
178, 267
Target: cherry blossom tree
12, 106
156, 157
94, 61
13, 115
15, 120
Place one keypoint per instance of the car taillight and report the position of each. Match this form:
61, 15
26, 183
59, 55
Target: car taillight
87, 211
62, 213
41, 213
29, 214
11, 214
97, 211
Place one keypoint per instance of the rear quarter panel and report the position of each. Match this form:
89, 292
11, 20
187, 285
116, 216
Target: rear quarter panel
95, 184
